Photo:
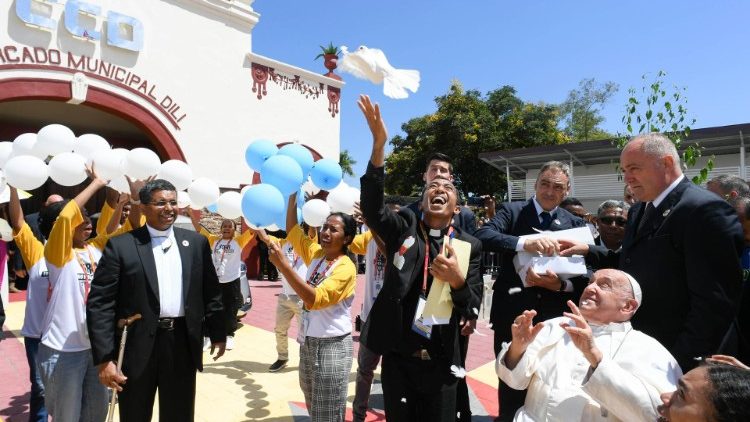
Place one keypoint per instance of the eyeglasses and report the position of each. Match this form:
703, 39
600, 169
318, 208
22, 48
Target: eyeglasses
617, 220
162, 204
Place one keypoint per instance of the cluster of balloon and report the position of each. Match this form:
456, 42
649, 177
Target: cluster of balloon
56, 153
284, 171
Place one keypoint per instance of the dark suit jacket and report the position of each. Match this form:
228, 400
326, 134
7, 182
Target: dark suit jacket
514, 219
687, 263
392, 313
125, 283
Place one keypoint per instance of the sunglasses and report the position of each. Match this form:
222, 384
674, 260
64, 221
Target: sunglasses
617, 220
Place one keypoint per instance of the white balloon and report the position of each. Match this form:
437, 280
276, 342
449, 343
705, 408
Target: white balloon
108, 164
6, 148
54, 139
340, 199
229, 205
26, 172
140, 163
67, 169
183, 199
3, 182
272, 228
315, 212
88, 144
176, 172
203, 191
24, 144
120, 184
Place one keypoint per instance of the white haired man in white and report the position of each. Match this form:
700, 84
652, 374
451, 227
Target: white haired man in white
590, 364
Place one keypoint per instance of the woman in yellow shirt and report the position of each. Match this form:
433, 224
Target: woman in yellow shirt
327, 294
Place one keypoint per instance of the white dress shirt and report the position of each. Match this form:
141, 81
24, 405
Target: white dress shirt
659, 199
168, 272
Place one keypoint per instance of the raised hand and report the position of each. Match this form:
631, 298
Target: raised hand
581, 335
570, 248
524, 332
275, 255
377, 128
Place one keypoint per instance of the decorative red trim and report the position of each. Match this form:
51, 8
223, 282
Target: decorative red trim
260, 77
93, 76
261, 74
166, 145
334, 95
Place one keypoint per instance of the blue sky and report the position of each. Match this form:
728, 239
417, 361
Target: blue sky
542, 48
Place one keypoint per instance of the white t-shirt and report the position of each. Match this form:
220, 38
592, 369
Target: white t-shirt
298, 264
227, 254
374, 275
32, 252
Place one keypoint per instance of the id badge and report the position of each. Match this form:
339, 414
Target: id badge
418, 325
302, 333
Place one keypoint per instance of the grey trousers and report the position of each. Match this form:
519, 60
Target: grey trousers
324, 367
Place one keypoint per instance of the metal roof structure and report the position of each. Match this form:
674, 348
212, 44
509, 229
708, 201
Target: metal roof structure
718, 140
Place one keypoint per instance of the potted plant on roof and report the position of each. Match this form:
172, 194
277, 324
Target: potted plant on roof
330, 57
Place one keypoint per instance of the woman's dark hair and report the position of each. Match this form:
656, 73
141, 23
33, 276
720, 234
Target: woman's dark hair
144, 195
48, 215
730, 392
350, 227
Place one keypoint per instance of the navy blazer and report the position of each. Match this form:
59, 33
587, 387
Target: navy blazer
392, 313
500, 234
687, 263
125, 283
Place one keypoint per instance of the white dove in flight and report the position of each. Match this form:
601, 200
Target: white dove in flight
371, 64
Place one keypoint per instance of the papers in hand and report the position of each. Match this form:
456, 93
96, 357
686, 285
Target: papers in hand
562, 266
439, 306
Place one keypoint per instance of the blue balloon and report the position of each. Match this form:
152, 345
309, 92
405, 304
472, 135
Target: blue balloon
283, 172
326, 174
212, 208
261, 204
258, 152
301, 155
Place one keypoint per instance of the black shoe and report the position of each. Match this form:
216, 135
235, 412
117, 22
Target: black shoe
277, 366
246, 307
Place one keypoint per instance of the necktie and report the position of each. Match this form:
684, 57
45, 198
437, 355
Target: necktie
546, 220
648, 215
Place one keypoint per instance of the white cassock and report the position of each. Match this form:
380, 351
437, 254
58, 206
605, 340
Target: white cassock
625, 386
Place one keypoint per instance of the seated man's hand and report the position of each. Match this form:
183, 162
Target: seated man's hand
109, 377
548, 280
524, 332
542, 245
581, 335
570, 248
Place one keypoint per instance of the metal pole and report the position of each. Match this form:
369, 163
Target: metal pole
743, 172
507, 179
572, 182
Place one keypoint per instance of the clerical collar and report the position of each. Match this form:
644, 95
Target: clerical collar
436, 233
611, 327
159, 233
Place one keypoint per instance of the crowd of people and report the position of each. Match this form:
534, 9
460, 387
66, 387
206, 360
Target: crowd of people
657, 328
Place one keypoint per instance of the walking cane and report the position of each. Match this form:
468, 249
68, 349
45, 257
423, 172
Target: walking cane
124, 324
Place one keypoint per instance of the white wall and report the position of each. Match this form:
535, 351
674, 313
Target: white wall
197, 52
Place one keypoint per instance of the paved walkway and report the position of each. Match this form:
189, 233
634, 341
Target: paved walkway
238, 387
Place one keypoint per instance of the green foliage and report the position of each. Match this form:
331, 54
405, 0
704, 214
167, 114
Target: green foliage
582, 109
347, 163
331, 49
465, 124
657, 110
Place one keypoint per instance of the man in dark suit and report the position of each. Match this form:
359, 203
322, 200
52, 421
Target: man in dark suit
439, 166
547, 293
683, 244
416, 371
166, 275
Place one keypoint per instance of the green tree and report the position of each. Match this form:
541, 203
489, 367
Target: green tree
347, 163
465, 124
582, 109
658, 110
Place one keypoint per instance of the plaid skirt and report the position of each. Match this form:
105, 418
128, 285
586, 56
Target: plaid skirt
325, 363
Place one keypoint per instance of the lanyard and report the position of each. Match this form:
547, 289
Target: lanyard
223, 251
313, 280
427, 254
